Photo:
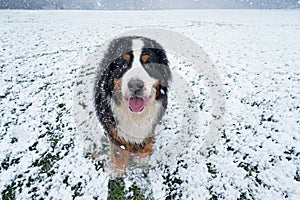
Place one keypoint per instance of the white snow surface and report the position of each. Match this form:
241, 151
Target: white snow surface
43, 101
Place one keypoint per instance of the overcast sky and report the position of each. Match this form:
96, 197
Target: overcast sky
148, 4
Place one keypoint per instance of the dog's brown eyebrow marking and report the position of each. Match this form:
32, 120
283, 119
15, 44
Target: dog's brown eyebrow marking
126, 56
145, 57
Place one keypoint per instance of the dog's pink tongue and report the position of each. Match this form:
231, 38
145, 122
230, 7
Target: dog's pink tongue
136, 104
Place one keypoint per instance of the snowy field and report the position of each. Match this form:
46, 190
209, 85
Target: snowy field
45, 82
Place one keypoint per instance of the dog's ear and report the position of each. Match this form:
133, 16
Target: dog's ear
161, 95
161, 91
162, 56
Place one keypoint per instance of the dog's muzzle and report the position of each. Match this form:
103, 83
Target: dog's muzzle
137, 101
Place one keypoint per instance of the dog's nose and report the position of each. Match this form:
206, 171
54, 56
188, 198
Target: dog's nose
135, 85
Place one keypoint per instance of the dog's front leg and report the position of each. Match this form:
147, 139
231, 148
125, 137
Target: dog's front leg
118, 160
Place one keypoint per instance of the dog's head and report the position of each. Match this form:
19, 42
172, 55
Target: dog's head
140, 75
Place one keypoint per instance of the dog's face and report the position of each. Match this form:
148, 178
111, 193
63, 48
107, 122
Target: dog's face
140, 77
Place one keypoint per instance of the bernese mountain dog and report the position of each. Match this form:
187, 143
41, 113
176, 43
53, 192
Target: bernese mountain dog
130, 96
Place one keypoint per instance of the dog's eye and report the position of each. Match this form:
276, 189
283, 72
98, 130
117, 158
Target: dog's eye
125, 65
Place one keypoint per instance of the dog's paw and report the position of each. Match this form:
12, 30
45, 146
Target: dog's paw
116, 172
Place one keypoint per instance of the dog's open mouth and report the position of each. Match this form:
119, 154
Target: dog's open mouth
137, 104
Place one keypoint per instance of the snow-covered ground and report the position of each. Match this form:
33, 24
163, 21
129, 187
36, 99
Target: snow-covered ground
45, 83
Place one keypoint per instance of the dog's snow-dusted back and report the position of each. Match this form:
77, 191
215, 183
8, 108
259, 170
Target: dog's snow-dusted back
131, 96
